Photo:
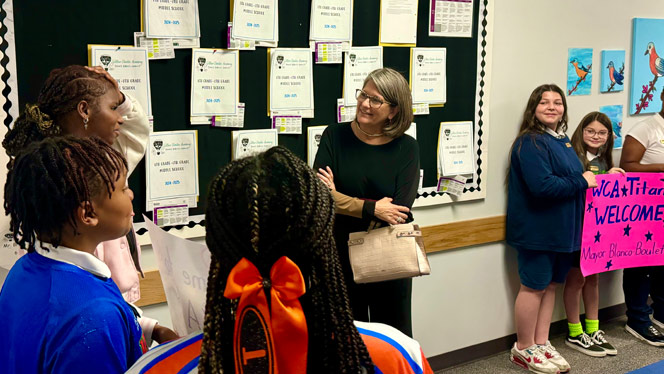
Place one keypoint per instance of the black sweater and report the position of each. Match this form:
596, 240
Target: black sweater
368, 172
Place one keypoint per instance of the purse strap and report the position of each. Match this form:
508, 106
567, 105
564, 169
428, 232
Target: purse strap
373, 225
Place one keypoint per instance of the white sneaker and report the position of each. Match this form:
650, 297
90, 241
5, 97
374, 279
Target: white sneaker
554, 357
533, 359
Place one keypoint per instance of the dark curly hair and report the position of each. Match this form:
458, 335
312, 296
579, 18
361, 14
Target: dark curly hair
51, 179
263, 208
62, 91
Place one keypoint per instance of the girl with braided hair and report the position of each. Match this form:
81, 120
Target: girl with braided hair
73, 318
84, 102
276, 298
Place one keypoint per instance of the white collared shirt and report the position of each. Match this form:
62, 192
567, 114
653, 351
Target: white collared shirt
590, 156
80, 259
557, 135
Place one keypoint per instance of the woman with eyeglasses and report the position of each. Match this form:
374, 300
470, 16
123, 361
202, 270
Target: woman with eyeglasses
373, 169
593, 143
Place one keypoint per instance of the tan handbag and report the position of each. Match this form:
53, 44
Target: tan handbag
387, 253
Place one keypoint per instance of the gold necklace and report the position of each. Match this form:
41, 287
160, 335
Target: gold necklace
366, 133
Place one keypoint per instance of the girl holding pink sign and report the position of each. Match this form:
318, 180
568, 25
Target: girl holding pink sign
546, 189
593, 143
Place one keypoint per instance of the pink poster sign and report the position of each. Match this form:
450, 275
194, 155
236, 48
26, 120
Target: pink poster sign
623, 223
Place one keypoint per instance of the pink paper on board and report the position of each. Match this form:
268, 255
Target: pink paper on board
623, 223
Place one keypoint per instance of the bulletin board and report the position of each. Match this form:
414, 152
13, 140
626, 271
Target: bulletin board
52, 34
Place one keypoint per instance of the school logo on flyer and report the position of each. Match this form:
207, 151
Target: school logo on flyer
105, 61
201, 64
157, 147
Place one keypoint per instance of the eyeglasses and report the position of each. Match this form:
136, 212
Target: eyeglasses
374, 102
591, 132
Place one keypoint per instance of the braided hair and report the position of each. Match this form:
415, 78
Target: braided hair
62, 91
263, 208
51, 179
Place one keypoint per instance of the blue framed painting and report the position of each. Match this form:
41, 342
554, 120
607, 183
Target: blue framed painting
579, 71
615, 114
647, 66
613, 71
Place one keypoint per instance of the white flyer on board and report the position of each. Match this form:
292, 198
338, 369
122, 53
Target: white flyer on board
256, 20
359, 62
314, 133
172, 165
189, 201
451, 18
250, 142
158, 49
428, 77
398, 22
215, 87
420, 109
183, 43
328, 52
170, 215
452, 185
331, 20
412, 130
287, 124
171, 19
129, 66
241, 45
230, 120
455, 148
345, 113
291, 79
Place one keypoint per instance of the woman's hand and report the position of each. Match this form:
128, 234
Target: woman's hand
390, 213
105, 74
616, 170
589, 176
327, 177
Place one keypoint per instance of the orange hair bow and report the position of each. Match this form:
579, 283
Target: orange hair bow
285, 344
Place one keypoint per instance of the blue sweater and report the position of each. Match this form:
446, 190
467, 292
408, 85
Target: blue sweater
546, 195
59, 318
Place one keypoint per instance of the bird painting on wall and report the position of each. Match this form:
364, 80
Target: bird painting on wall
657, 69
616, 76
646, 67
656, 63
581, 70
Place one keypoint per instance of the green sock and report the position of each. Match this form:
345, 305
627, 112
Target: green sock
592, 325
575, 329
